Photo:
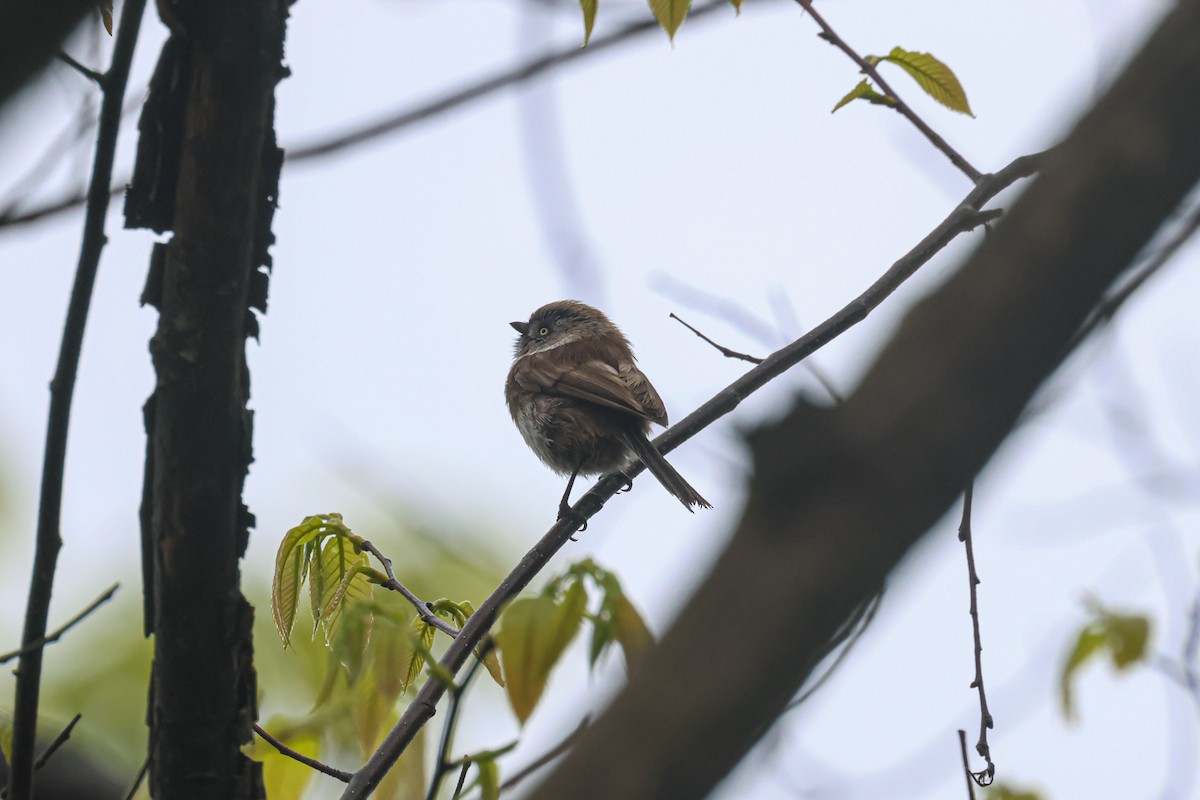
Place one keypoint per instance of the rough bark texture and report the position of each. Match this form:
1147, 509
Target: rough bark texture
838, 497
209, 173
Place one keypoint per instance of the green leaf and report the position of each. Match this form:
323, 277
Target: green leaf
283, 776
350, 642
6, 734
938, 80
1001, 791
489, 779
291, 566
406, 779
422, 637
589, 18
670, 14
533, 635
737, 5
394, 652
1122, 636
864, 91
631, 631
602, 638
491, 659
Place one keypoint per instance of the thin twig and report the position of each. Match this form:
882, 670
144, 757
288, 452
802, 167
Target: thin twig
86, 72
410, 115
867, 68
443, 764
66, 626
462, 777
58, 742
424, 609
970, 777
137, 780
319, 766
548, 756
966, 216
722, 349
62, 389
983, 778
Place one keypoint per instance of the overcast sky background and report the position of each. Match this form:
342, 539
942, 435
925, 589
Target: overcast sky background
713, 166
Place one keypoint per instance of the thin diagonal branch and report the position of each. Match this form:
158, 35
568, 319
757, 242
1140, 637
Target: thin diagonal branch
62, 389
87, 72
443, 765
50, 638
319, 766
966, 216
424, 609
722, 349
50, 750
970, 776
867, 68
983, 778
137, 780
411, 115
547, 757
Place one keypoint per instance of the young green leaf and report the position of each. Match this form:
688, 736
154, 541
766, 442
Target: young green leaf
349, 643
1123, 636
393, 654
489, 779
491, 660
291, 566
533, 635
938, 80
737, 5
670, 14
1002, 791
631, 631
422, 640
589, 18
864, 91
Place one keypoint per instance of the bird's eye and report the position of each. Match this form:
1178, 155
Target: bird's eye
543, 331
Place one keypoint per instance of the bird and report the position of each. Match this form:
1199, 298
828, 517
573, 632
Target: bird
580, 401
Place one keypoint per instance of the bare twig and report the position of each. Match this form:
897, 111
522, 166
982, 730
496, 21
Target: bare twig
410, 115
443, 764
867, 68
970, 777
137, 780
462, 777
66, 626
319, 766
966, 216
86, 72
548, 756
424, 609
58, 742
62, 388
725, 351
983, 778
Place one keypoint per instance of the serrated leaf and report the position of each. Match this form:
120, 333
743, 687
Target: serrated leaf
937, 79
422, 637
864, 91
589, 18
533, 635
291, 566
670, 14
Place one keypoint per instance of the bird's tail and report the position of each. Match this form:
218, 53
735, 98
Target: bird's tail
671, 480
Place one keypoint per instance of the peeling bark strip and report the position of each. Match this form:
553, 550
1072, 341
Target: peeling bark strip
208, 171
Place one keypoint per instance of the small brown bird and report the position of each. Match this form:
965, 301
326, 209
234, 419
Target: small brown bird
580, 401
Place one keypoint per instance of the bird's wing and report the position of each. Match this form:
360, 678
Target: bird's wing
595, 381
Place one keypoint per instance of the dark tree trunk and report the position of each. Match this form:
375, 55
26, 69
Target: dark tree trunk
207, 171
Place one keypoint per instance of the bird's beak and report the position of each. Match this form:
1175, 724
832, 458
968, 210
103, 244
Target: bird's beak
520, 327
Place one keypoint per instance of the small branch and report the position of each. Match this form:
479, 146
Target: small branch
48, 539
424, 610
548, 756
58, 742
137, 780
964, 217
58, 633
962, 745
86, 72
725, 351
983, 778
443, 763
462, 777
864, 66
319, 766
